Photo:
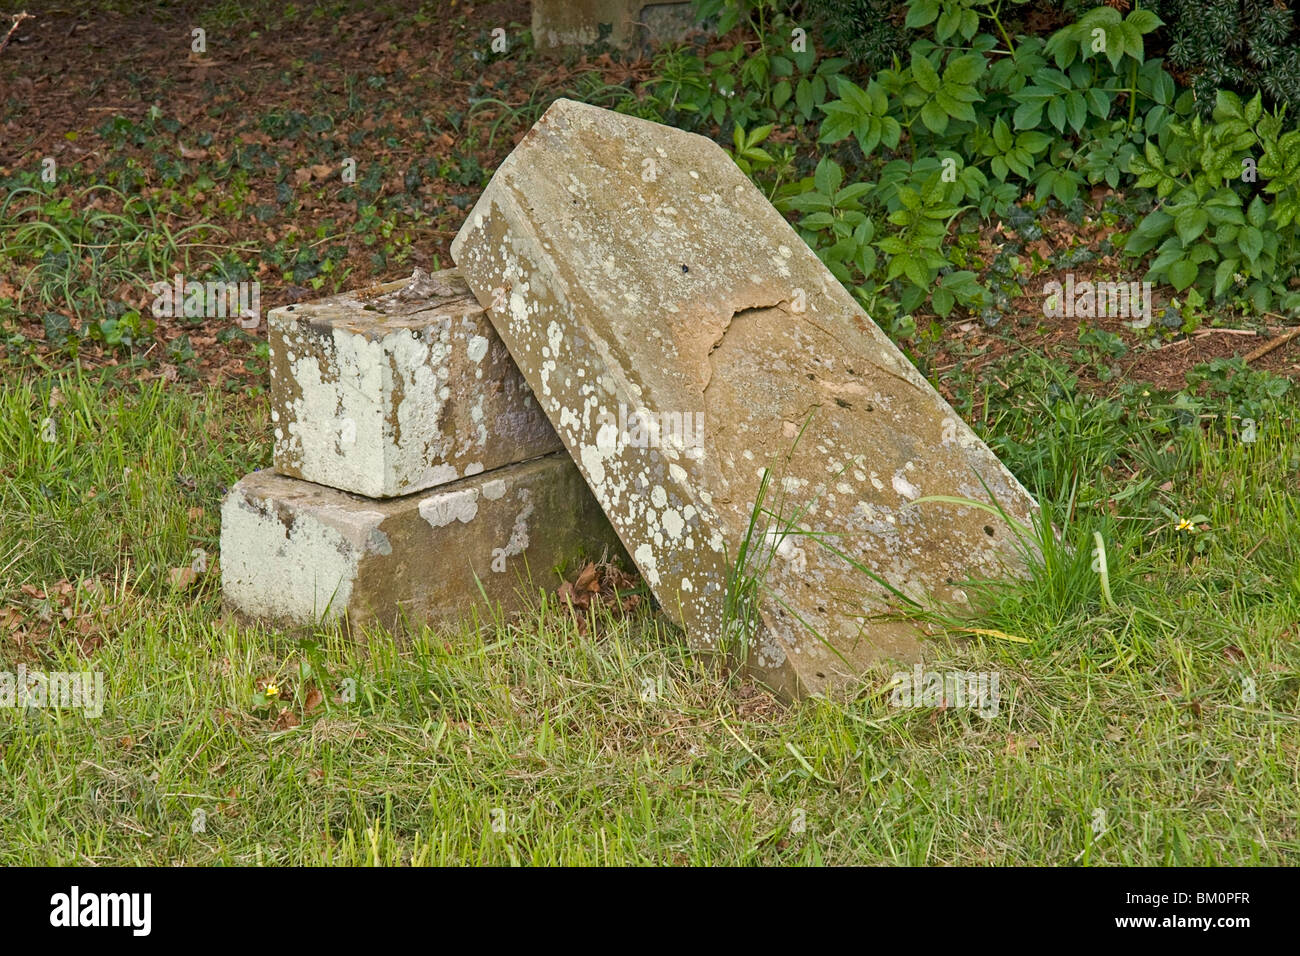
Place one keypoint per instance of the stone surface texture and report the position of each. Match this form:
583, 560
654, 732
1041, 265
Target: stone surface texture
296, 552
632, 268
398, 389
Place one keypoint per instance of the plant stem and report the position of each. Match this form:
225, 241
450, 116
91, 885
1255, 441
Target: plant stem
1001, 29
1132, 95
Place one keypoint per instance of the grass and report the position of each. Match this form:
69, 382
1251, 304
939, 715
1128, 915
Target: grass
1125, 735
79, 255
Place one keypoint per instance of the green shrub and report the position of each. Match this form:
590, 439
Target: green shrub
1241, 45
1230, 220
976, 120
868, 32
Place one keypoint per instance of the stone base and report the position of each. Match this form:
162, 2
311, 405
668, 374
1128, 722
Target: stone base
295, 553
561, 26
396, 390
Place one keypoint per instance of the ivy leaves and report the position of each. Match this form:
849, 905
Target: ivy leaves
1012, 153
968, 120
1069, 98
1214, 230
954, 18
938, 98
835, 224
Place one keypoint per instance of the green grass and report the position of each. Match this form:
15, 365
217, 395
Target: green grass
622, 747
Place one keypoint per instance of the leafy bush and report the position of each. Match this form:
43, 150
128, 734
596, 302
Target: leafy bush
974, 121
984, 123
1217, 227
868, 32
1240, 45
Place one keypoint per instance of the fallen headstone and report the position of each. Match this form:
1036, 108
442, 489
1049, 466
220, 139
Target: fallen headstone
295, 553
398, 388
682, 339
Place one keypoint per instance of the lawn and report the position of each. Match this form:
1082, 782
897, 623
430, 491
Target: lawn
1160, 729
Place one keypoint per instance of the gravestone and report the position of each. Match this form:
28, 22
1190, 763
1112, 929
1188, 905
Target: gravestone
640, 282
397, 389
404, 387
563, 25
294, 552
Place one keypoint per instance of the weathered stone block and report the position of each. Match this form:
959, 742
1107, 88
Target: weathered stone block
399, 391
560, 25
297, 552
642, 282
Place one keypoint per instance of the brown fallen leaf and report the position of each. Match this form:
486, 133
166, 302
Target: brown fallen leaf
314, 700
588, 579
1020, 745
182, 578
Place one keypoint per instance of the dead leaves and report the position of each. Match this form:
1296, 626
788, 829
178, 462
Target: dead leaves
182, 578
286, 720
292, 705
599, 586
64, 608
307, 174
1019, 746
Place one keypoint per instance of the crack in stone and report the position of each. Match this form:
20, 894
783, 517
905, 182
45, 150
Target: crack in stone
731, 320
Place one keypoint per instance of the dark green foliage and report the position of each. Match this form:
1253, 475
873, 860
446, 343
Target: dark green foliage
1241, 45
868, 32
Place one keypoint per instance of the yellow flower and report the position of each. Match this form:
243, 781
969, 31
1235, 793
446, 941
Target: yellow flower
1185, 525
272, 691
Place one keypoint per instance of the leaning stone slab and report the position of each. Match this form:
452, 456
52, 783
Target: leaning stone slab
296, 552
397, 389
682, 339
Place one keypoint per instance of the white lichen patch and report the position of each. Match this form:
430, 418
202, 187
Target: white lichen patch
442, 509
477, 349
388, 399
644, 557
905, 488
303, 569
517, 544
